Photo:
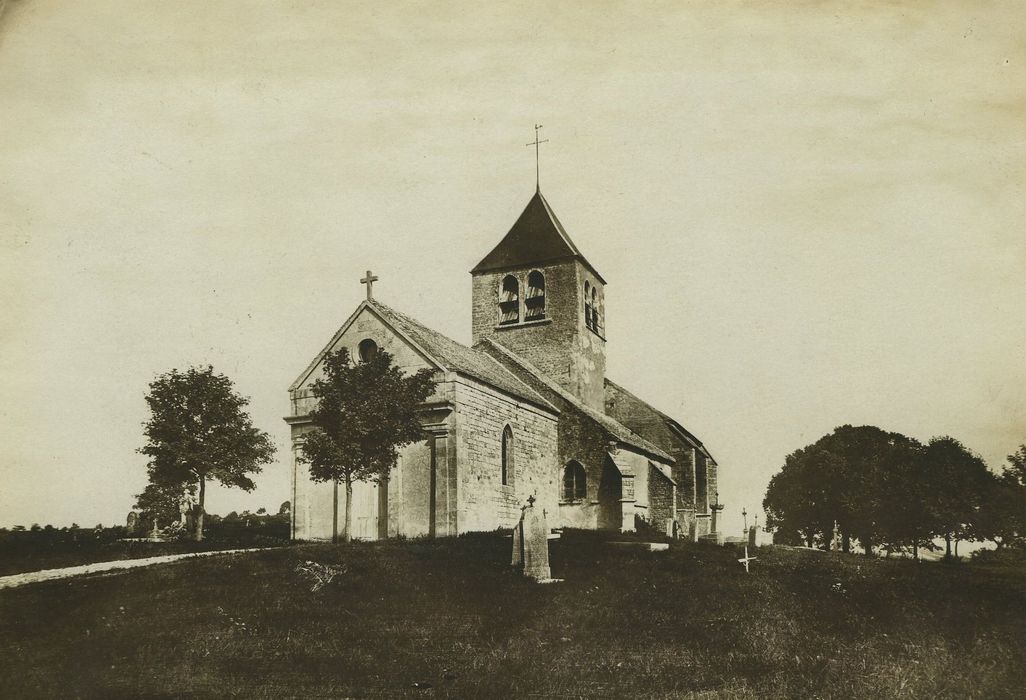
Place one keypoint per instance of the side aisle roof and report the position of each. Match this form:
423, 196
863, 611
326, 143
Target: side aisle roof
617, 391
613, 427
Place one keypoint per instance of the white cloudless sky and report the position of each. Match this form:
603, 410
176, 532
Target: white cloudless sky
809, 214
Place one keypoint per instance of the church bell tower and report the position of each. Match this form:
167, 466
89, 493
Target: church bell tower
537, 295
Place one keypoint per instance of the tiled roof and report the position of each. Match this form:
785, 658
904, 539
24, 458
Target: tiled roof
536, 238
614, 390
459, 358
614, 428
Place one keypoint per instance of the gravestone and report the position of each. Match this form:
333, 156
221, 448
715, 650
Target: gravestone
131, 522
531, 543
753, 537
747, 559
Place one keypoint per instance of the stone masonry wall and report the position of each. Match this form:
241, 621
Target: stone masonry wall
580, 439
407, 512
701, 483
366, 326
646, 422
481, 416
560, 345
661, 506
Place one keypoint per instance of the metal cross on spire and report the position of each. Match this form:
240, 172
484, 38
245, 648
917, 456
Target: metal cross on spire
369, 280
536, 143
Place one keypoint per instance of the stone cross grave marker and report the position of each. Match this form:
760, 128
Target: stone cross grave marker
746, 559
531, 543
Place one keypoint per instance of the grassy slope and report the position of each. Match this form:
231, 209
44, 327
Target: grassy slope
65, 555
450, 614
56, 549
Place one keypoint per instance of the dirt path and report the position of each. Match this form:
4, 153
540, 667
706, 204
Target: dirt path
15, 580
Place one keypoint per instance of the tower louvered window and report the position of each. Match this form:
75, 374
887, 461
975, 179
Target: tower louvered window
587, 304
534, 300
509, 301
594, 310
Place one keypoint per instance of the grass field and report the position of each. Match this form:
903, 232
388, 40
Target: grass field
25, 551
448, 618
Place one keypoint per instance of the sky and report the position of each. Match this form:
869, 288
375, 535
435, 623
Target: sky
809, 214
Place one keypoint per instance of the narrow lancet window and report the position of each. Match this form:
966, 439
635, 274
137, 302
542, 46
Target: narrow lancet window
534, 301
595, 325
507, 456
509, 301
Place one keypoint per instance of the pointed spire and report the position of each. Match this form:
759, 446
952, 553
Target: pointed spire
537, 237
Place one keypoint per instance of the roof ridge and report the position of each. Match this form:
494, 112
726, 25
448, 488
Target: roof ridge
558, 224
688, 434
525, 391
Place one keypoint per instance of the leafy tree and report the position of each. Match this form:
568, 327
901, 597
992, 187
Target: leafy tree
1015, 471
875, 468
959, 483
1003, 518
366, 413
285, 508
800, 499
198, 430
162, 502
848, 479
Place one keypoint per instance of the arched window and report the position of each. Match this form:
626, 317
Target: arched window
534, 301
595, 310
507, 456
368, 350
575, 482
509, 301
587, 304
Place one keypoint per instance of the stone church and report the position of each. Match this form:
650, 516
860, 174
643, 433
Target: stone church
526, 410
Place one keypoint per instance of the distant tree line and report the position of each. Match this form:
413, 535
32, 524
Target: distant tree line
886, 490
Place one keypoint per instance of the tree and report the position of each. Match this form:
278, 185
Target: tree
851, 480
198, 430
162, 502
1016, 468
876, 463
800, 498
1003, 517
959, 482
366, 413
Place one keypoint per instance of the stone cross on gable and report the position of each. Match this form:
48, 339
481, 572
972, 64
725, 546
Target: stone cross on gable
369, 280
